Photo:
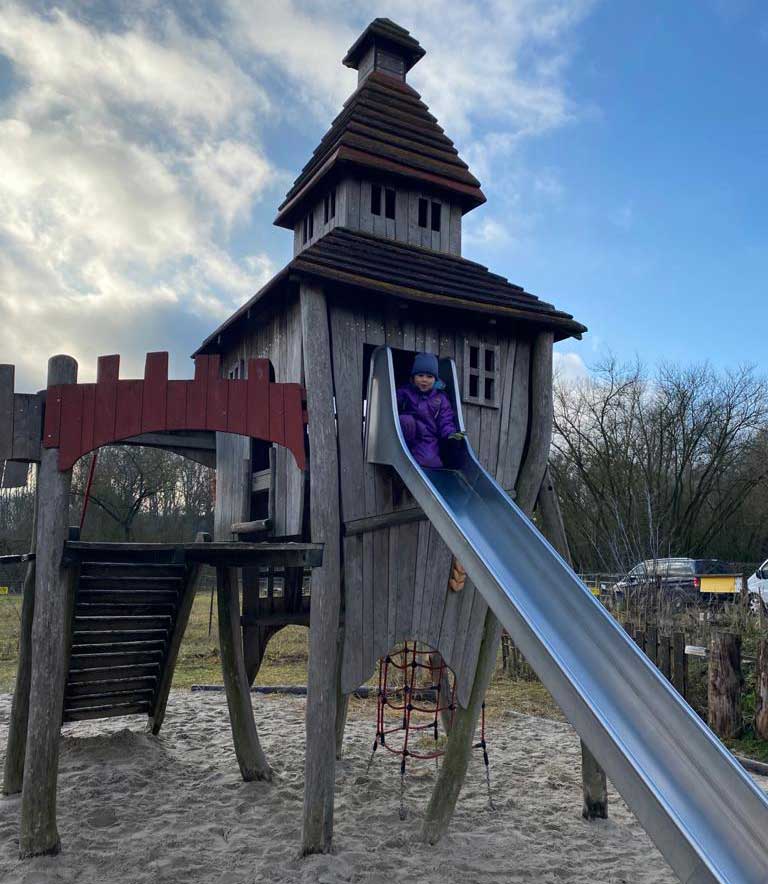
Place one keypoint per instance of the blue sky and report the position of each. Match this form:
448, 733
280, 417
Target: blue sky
144, 148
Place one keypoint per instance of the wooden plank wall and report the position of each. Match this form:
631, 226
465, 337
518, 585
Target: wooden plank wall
396, 577
277, 338
354, 211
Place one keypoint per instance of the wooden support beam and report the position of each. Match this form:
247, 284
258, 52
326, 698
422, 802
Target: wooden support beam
385, 520
320, 763
157, 710
13, 776
250, 756
39, 833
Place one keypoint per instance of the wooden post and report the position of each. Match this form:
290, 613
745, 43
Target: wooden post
322, 678
157, 713
250, 756
453, 770
39, 833
594, 784
679, 664
724, 685
442, 802
761, 691
13, 776
342, 705
663, 654
652, 643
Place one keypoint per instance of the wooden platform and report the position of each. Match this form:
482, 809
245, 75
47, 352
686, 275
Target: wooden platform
131, 608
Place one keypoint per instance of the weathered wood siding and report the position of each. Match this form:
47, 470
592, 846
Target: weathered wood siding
396, 577
277, 338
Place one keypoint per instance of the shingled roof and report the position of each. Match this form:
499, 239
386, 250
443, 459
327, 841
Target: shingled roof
385, 125
370, 263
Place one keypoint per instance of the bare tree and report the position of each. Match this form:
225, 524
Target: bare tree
657, 466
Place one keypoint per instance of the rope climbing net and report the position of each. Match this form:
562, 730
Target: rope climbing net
416, 691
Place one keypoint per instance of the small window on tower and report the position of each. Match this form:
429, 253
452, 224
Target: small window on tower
376, 199
481, 373
305, 229
333, 203
436, 217
423, 209
389, 202
326, 208
311, 224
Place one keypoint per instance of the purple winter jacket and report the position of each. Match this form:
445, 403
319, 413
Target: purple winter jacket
425, 419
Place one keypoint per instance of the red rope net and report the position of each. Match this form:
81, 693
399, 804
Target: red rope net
408, 681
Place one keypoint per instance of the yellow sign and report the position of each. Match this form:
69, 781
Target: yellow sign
720, 583
3, 590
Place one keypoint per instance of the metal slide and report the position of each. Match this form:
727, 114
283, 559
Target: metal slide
706, 816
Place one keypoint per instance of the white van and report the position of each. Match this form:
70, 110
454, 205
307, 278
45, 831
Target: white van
757, 586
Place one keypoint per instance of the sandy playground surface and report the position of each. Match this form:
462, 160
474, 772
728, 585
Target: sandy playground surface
135, 808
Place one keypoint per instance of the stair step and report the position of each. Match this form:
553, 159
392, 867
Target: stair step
127, 595
130, 584
107, 686
107, 699
108, 637
127, 610
131, 569
124, 658
106, 712
118, 647
120, 624
112, 673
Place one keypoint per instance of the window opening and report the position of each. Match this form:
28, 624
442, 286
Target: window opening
326, 208
436, 217
389, 202
423, 207
311, 220
376, 199
304, 230
333, 203
481, 373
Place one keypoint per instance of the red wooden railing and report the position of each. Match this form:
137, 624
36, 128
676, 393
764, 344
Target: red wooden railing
82, 417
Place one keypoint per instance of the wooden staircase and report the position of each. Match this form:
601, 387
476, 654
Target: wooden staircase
130, 612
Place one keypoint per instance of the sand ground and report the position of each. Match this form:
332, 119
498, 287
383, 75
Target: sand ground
136, 809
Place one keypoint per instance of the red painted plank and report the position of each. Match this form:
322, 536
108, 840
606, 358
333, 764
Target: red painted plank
176, 406
154, 402
89, 405
71, 425
294, 422
108, 369
51, 430
197, 394
237, 405
106, 400
276, 413
216, 408
128, 417
258, 398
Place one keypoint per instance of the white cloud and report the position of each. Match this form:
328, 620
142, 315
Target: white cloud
127, 155
132, 146
569, 367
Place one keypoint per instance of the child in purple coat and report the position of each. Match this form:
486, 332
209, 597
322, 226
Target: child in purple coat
426, 415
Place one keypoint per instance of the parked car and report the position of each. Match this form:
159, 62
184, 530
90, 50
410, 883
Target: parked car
679, 580
757, 587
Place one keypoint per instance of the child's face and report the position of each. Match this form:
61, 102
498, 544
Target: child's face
424, 382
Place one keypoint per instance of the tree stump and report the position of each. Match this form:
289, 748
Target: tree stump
724, 687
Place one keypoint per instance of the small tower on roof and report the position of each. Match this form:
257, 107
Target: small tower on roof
385, 166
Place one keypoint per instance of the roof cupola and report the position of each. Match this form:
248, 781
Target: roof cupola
385, 47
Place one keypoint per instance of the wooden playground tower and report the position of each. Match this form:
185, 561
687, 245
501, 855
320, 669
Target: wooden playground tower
279, 401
